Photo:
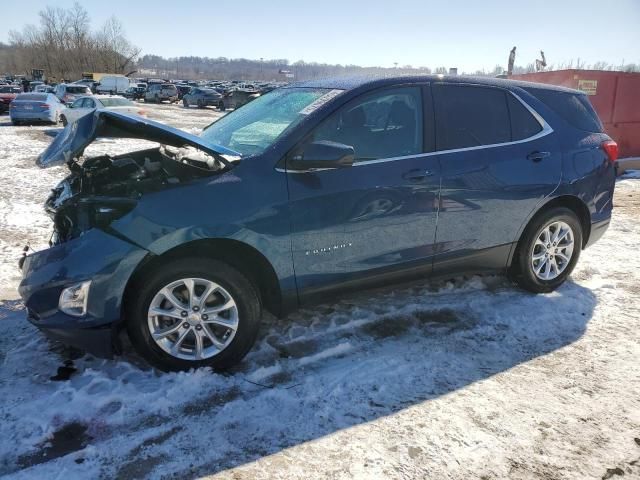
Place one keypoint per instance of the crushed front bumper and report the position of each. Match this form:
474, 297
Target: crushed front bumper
97, 256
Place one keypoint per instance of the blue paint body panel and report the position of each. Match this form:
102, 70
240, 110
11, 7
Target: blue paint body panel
330, 230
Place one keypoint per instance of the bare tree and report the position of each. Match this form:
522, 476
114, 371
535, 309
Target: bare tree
64, 46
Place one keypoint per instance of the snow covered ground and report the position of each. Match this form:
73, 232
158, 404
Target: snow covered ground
464, 379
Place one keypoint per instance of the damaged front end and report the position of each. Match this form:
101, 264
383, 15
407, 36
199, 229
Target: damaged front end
73, 291
102, 189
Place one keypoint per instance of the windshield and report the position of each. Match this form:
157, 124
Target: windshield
10, 90
115, 102
254, 127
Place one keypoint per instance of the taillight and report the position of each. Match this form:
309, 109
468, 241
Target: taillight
44, 106
611, 149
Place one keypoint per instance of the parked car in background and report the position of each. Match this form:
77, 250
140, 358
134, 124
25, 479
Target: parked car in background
68, 92
44, 89
183, 89
85, 105
34, 85
135, 91
237, 98
203, 97
160, 92
7, 94
112, 84
88, 82
35, 107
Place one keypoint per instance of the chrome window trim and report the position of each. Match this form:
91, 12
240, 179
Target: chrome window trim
546, 130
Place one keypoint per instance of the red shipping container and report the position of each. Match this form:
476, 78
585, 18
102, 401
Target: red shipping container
614, 95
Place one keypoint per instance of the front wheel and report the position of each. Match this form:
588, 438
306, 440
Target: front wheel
191, 313
548, 251
64, 120
185, 103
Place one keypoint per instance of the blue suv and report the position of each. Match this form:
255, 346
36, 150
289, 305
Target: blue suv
309, 191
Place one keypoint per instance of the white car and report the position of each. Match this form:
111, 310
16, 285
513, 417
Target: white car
85, 105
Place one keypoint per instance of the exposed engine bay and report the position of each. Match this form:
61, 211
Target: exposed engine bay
104, 188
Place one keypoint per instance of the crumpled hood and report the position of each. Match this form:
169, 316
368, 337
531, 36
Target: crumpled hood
71, 142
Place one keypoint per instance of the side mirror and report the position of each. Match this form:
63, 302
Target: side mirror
322, 154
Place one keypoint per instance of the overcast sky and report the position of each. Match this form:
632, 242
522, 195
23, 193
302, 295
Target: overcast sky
469, 35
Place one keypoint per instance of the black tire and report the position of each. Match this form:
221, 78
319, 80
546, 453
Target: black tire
185, 103
221, 107
64, 121
522, 271
201, 104
144, 288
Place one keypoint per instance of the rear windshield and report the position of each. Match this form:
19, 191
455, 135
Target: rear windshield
10, 89
32, 97
115, 102
77, 89
169, 87
574, 108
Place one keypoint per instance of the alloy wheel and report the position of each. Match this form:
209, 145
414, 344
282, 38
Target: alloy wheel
552, 251
193, 319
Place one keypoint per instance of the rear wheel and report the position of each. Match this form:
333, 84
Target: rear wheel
221, 106
192, 313
185, 103
548, 251
64, 121
200, 104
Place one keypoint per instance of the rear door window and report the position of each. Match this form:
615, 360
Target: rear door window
383, 124
470, 116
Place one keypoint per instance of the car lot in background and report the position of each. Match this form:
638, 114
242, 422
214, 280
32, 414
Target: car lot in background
35, 107
68, 92
83, 106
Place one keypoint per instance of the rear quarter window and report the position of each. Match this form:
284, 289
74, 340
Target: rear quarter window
575, 109
523, 123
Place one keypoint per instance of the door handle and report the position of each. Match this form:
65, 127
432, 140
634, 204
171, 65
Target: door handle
417, 175
537, 156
